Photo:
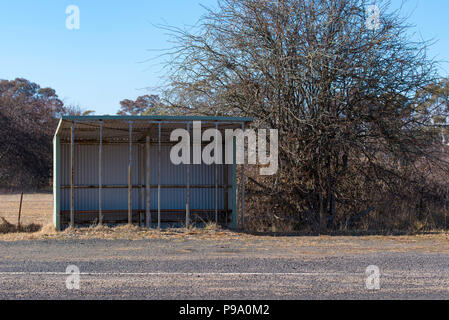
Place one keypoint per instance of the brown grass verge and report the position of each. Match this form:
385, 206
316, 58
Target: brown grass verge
36, 208
215, 233
128, 232
6, 227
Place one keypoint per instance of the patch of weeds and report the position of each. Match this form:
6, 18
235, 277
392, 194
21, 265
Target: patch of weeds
6, 227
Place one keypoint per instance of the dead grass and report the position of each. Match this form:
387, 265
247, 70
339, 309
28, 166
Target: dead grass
132, 232
436, 242
36, 221
212, 226
124, 232
6, 227
298, 245
37, 211
36, 208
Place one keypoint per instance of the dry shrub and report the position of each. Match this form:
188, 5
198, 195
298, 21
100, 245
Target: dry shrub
6, 227
417, 201
48, 229
352, 132
212, 226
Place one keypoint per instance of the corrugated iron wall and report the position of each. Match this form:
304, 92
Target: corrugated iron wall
115, 172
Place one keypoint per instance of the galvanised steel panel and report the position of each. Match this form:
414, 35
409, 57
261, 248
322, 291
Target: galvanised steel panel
115, 172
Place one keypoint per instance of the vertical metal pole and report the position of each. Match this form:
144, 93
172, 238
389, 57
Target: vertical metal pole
234, 184
72, 176
57, 183
159, 178
216, 172
141, 182
130, 204
225, 191
100, 176
188, 184
138, 183
243, 177
147, 185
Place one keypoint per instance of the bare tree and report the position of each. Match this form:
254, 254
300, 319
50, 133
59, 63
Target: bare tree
340, 88
76, 110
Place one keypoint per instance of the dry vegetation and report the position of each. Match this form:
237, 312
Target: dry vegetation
123, 232
359, 128
37, 225
36, 208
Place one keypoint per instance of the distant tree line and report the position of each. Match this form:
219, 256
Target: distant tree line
28, 120
146, 105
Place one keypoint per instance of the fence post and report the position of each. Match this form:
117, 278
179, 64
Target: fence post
20, 211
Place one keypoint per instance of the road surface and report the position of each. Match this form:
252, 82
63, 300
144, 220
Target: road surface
229, 269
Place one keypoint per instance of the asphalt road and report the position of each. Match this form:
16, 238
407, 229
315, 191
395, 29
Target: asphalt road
211, 269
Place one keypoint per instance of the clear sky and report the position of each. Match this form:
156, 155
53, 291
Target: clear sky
106, 60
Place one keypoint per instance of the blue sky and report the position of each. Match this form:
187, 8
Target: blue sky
106, 60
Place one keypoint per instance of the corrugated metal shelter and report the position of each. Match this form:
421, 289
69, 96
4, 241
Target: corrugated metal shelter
115, 169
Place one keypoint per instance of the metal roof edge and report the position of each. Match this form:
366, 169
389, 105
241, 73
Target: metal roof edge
162, 118
58, 128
